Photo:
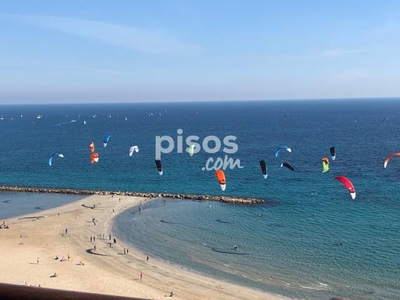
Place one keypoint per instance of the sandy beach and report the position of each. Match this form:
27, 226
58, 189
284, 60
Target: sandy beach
31, 244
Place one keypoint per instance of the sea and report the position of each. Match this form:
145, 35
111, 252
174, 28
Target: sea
309, 240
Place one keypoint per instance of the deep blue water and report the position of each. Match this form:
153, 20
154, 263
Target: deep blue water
312, 241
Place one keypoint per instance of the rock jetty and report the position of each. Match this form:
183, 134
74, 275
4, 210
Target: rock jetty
226, 199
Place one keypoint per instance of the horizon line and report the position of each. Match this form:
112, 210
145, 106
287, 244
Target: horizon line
208, 101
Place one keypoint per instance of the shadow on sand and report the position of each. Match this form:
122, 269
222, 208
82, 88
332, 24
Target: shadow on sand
90, 251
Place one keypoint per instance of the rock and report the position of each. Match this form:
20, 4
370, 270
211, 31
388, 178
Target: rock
225, 199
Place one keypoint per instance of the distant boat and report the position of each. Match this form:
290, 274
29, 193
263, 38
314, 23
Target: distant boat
84, 122
39, 116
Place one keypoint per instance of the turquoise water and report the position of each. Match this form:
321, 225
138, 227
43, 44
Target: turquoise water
17, 204
293, 249
312, 241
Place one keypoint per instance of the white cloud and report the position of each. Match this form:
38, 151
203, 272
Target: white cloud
340, 52
91, 69
333, 53
133, 38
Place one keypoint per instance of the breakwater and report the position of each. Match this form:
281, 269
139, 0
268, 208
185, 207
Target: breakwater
226, 199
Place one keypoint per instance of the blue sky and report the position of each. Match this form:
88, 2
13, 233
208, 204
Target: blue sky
182, 50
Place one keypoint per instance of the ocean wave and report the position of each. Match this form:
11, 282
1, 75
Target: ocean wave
320, 286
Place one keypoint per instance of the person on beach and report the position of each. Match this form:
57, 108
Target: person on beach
66, 230
91, 238
127, 251
94, 247
94, 238
171, 294
37, 261
115, 240
124, 251
147, 258
68, 257
141, 275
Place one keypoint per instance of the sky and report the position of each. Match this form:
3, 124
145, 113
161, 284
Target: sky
201, 50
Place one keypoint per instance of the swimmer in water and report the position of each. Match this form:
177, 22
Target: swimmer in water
235, 247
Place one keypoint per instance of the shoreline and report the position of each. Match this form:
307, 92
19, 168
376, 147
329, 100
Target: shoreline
226, 199
30, 245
